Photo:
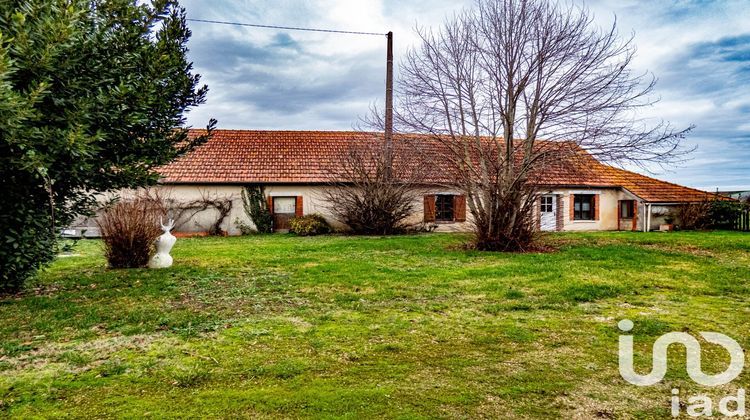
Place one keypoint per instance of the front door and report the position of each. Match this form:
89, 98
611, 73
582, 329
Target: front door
548, 212
284, 208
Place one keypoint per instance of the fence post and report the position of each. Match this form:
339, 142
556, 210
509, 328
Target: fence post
743, 221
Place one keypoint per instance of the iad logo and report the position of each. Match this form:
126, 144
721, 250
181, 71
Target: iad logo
700, 405
693, 347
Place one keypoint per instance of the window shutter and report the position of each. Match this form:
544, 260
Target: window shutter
459, 208
596, 206
270, 204
429, 208
298, 207
572, 207
635, 216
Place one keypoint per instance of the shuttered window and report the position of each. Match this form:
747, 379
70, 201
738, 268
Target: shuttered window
445, 208
583, 207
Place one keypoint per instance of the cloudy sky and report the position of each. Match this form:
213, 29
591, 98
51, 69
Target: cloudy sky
270, 79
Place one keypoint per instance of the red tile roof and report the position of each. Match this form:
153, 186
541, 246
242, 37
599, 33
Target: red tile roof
590, 172
278, 157
241, 156
654, 190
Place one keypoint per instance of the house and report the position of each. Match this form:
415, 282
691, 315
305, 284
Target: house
295, 169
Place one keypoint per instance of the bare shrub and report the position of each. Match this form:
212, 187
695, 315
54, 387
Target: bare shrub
692, 216
373, 192
129, 228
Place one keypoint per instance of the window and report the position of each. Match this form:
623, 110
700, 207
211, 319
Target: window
284, 205
444, 208
546, 204
583, 207
627, 209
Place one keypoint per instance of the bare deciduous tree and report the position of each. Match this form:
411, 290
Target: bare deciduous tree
494, 81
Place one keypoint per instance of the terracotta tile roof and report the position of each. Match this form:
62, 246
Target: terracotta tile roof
654, 190
277, 157
241, 156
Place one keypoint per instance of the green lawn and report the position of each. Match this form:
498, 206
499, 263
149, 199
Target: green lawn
413, 326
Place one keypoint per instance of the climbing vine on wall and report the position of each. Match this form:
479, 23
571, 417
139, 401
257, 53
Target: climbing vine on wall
256, 207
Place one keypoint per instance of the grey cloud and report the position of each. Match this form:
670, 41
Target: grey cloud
217, 54
273, 77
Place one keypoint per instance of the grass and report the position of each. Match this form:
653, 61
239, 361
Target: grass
398, 327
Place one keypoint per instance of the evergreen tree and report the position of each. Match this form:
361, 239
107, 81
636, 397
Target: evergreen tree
93, 95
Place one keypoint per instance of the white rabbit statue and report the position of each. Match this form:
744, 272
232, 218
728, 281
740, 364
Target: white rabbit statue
164, 244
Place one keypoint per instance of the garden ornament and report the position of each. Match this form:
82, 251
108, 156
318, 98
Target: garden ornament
164, 244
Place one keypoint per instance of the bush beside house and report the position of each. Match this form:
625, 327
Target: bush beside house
713, 214
310, 225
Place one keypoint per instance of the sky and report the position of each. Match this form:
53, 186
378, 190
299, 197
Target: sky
281, 80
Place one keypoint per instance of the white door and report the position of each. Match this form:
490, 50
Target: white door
548, 212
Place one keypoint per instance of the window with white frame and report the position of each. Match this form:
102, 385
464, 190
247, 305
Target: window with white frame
546, 204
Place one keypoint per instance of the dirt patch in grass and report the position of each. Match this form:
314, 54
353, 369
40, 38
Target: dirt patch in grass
81, 356
684, 249
560, 241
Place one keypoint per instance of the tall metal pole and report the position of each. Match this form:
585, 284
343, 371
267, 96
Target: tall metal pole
389, 107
